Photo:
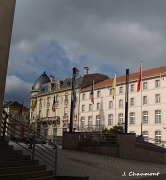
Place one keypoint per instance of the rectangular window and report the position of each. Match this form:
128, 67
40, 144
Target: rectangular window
110, 119
131, 101
120, 103
66, 97
90, 122
83, 96
120, 118
158, 116
55, 131
83, 108
157, 83
145, 100
48, 101
132, 118
145, 135
65, 111
145, 85
121, 90
158, 137
82, 123
132, 88
145, 117
56, 111
111, 104
98, 106
157, 98
98, 122
90, 107
47, 113
110, 92
98, 93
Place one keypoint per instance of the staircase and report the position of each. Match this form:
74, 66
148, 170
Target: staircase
16, 166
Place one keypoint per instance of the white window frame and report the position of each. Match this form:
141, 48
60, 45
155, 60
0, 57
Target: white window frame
65, 111
132, 88
157, 116
98, 94
157, 83
145, 117
83, 108
90, 107
82, 122
157, 98
120, 118
110, 104
90, 122
98, 106
132, 118
145, 85
145, 100
158, 137
145, 135
131, 101
83, 96
121, 103
98, 122
110, 119
121, 90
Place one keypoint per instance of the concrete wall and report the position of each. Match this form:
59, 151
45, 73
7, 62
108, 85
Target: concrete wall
70, 140
7, 8
126, 148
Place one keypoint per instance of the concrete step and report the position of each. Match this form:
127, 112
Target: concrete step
6, 147
18, 163
2, 143
22, 169
14, 157
11, 152
26, 175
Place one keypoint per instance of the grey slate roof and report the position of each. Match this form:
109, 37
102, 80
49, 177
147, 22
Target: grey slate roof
64, 83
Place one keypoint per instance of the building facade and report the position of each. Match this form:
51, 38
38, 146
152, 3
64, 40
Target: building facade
13, 108
146, 106
42, 117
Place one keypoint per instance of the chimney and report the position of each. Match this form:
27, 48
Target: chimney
52, 78
86, 70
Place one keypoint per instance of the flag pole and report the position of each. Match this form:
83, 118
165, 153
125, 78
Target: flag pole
141, 97
115, 100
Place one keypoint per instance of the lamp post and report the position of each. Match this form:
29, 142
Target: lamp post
73, 98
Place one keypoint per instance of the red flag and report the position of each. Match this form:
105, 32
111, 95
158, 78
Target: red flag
53, 105
139, 80
21, 109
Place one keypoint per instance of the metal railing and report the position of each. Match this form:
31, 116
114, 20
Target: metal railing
90, 128
21, 134
98, 138
151, 143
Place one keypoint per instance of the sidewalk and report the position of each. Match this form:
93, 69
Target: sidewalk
101, 167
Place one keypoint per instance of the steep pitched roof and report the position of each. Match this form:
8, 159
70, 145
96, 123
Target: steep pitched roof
13, 104
132, 77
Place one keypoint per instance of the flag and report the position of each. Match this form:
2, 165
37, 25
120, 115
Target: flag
33, 106
53, 105
21, 109
113, 87
92, 93
139, 80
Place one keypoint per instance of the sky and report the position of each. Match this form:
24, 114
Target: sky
107, 36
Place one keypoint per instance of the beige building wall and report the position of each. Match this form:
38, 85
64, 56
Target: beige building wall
44, 117
151, 107
7, 8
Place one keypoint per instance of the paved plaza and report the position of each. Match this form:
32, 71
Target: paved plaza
101, 167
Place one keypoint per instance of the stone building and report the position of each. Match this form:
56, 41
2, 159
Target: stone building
146, 106
13, 108
42, 117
